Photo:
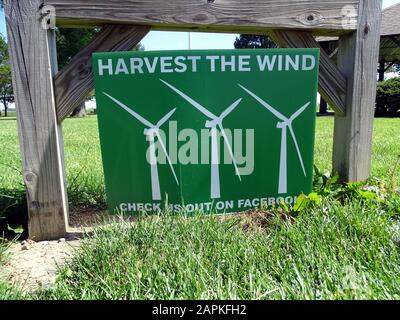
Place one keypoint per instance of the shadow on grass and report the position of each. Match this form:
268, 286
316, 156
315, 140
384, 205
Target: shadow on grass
13, 213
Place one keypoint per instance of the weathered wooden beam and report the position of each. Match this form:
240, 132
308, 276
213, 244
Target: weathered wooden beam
211, 15
381, 70
389, 66
395, 40
332, 84
334, 53
75, 81
390, 54
358, 59
40, 137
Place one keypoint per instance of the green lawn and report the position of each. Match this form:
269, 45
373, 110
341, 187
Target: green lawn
84, 168
331, 250
345, 252
10, 115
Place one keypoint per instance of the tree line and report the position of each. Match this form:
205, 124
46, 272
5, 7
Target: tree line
388, 92
71, 41
6, 88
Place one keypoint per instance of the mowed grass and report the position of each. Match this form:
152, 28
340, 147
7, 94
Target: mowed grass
84, 167
7, 292
83, 163
83, 160
10, 115
329, 251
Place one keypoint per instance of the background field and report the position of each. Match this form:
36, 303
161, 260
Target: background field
84, 167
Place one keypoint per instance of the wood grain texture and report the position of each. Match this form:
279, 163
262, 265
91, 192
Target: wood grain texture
63, 173
332, 83
205, 15
41, 144
358, 59
75, 81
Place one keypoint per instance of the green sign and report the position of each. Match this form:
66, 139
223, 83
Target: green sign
211, 131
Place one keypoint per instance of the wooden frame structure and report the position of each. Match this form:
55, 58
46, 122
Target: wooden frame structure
46, 96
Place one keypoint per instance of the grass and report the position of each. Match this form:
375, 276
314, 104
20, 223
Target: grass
10, 115
332, 252
329, 251
7, 292
385, 151
84, 167
82, 155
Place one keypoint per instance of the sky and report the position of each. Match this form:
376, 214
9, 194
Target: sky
157, 40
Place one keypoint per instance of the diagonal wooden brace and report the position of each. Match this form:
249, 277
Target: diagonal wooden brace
75, 81
332, 83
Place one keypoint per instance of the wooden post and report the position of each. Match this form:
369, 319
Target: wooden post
381, 70
357, 59
323, 106
40, 137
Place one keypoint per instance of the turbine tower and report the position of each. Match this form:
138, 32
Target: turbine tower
213, 124
152, 132
284, 124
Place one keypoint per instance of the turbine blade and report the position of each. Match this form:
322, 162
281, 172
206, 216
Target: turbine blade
230, 151
155, 181
283, 165
298, 149
195, 104
169, 159
130, 111
230, 109
299, 112
166, 118
265, 104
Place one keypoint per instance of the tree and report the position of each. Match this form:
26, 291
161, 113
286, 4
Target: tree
6, 89
249, 41
396, 67
388, 97
69, 43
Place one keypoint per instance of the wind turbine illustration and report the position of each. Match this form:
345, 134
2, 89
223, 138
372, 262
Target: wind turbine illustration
213, 124
284, 124
152, 132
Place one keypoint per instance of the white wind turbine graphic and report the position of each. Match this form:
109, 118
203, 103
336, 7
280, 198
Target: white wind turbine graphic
152, 131
286, 123
213, 124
